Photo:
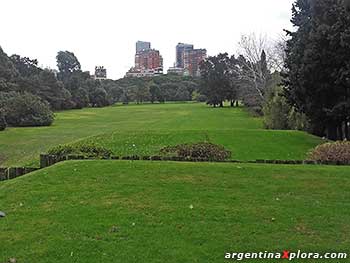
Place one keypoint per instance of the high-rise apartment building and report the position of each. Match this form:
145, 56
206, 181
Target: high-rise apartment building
192, 60
148, 59
188, 59
142, 46
148, 62
180, 49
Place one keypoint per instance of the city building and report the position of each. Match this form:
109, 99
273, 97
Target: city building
176, 71
100, 73
148, 61
142, 46
192, 60
180, 49
188, 59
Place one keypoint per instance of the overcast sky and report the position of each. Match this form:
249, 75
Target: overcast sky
104, 32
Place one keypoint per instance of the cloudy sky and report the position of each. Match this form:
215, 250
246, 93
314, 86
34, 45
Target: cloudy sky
104, 32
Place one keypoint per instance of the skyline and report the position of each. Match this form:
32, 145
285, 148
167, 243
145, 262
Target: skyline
103, 33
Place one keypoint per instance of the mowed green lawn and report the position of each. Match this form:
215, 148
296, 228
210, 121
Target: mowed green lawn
145, 129
120, 211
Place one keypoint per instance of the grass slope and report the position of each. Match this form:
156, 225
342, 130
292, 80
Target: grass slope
115, 211
151, 127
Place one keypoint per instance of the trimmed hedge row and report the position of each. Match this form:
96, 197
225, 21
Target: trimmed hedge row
14, 172
48, 160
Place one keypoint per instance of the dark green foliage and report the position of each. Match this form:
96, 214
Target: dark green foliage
157, 89
218, 77
317, 80
278, 113
196, 96
332, 152
99, 97
67, 64
8, 71
155, 93
202, 150
81, 148
27, 110
25, 66
3, 123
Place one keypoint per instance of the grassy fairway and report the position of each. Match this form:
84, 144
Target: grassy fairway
114, 211
150, 127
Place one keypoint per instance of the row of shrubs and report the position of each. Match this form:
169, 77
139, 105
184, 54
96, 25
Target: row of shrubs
188, 159
328, 153
201, 150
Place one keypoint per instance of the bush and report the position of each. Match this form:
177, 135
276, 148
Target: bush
202, 150
3, 123
279, 115
276, 112
85, 149
332, 152
25, 109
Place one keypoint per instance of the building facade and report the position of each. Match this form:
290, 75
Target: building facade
180, 49
100, 73
192, 60
148, 59
148, 62
188, 59
142, 46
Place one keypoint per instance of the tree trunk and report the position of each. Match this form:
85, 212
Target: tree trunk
346, 131
332, 132
221, 104
237, 103
340, 132
232, 103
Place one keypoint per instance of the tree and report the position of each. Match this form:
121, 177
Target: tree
216, 75
254, 70
154, 91
8, 72
25, 66
98, 97
3, 123
25, 109
182, 94
67, 64
318, 71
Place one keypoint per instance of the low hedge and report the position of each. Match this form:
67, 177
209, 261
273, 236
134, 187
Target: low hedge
201, 150
90, 150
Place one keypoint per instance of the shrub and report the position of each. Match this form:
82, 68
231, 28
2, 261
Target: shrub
332, 152
202, 150
276, 112
279, 115
85, 149
25, 109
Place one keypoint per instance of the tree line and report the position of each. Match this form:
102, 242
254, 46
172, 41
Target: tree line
29, 95
300, 82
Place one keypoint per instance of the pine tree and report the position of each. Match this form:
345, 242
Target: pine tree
318, 78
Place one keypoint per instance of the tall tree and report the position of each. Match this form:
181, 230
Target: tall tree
216, 75
8, 72
318, 77
255, 65
67, 64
